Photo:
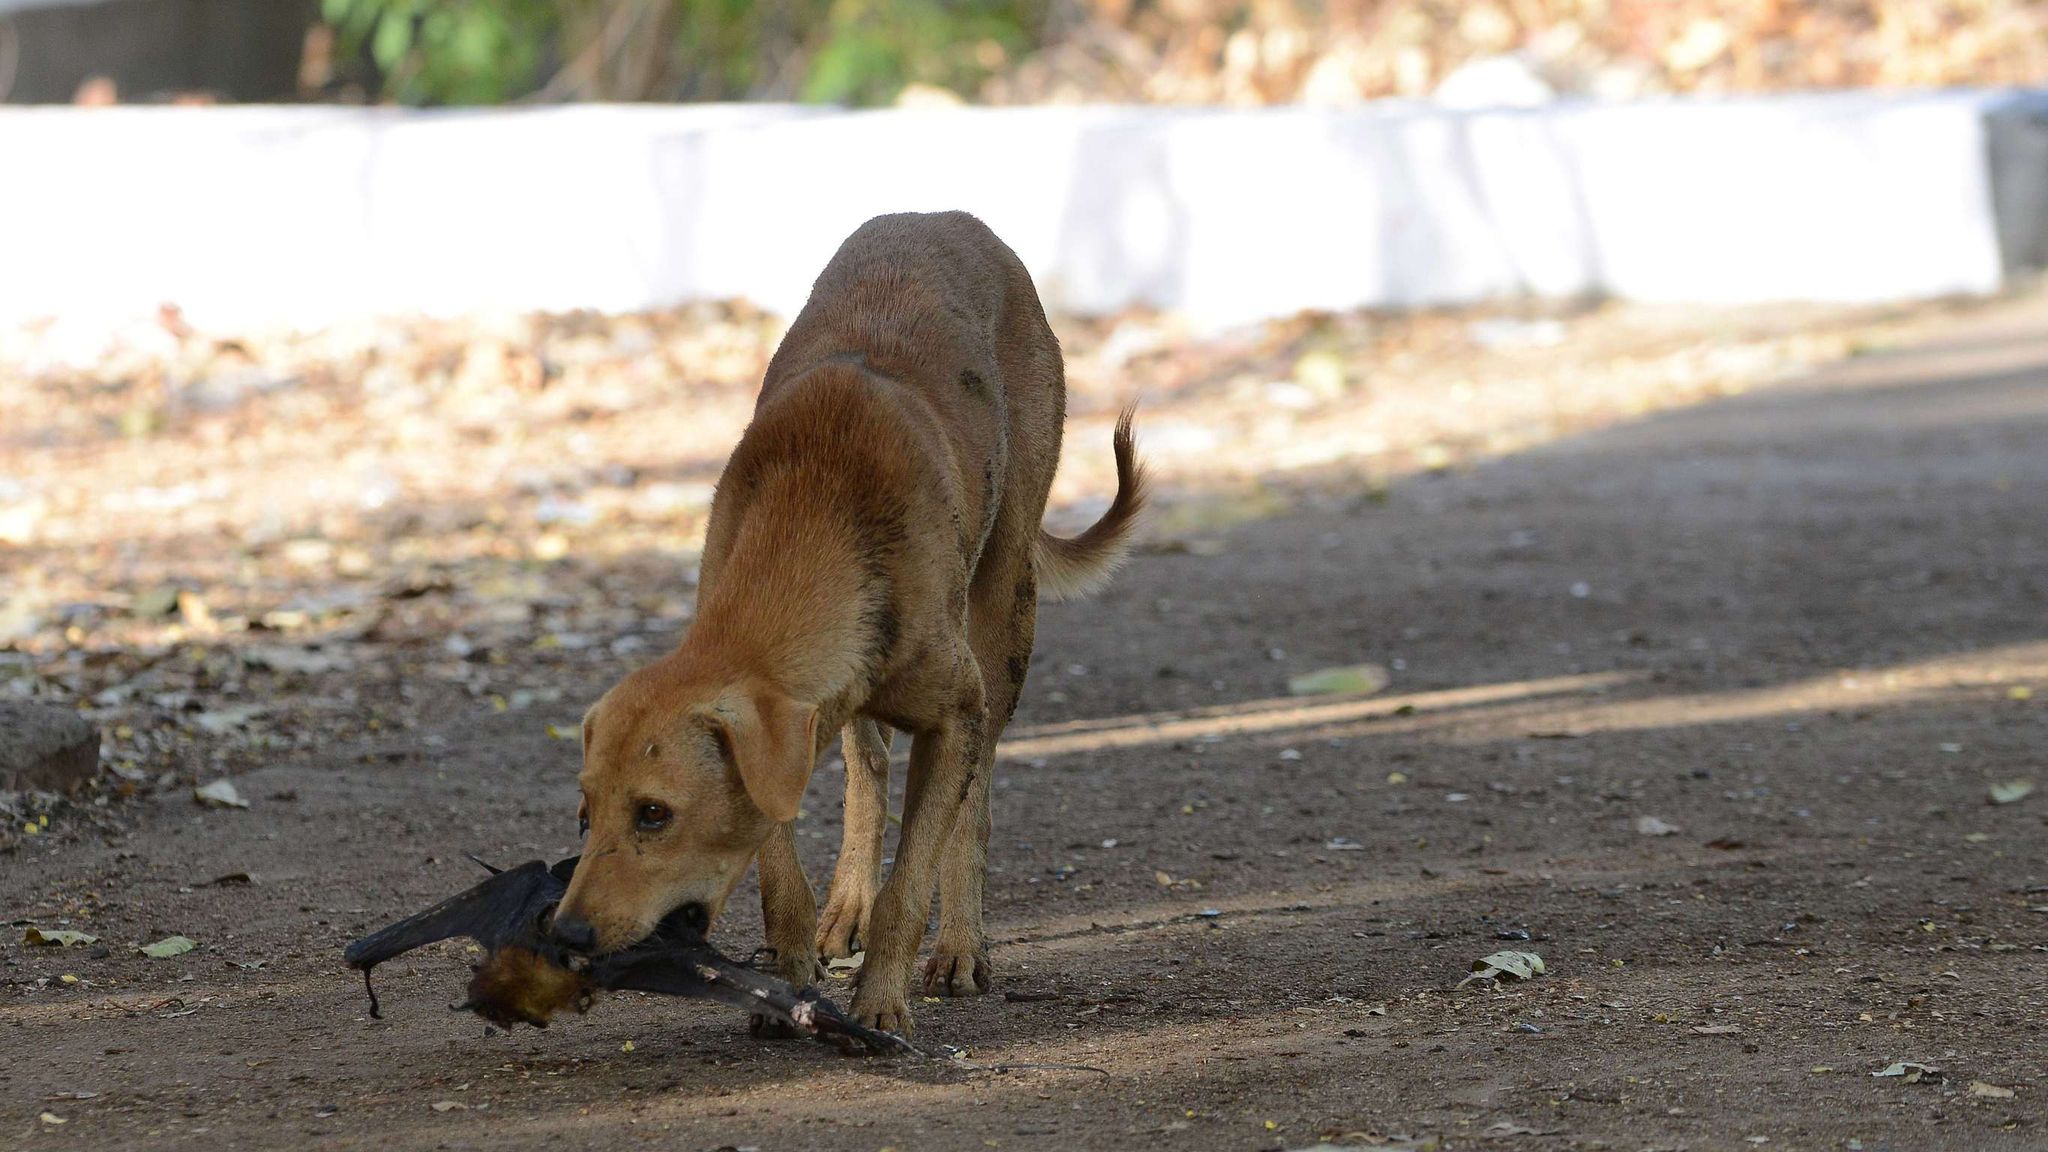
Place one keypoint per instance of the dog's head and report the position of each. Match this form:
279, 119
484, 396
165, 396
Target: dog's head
684, 775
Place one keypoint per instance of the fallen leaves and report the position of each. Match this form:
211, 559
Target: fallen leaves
1355, 680
58, 937
1984, 1091
1655, 826
1911, 1072
168, 947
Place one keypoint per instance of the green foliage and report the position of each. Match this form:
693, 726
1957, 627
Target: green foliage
875, 47
449, 51
836, 51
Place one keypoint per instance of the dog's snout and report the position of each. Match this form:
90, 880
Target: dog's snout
573, 933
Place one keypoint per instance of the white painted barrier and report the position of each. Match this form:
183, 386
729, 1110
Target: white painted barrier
309, 215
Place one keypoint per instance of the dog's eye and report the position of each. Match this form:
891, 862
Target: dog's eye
653, 817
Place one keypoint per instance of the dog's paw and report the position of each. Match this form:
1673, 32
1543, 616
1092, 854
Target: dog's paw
802, 971
951, 973
843, 924
886, 1012
797, 969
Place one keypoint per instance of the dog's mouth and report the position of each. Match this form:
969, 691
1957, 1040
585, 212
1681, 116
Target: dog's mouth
568, 958
686, 925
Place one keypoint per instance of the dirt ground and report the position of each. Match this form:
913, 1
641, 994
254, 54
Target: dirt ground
1802, 622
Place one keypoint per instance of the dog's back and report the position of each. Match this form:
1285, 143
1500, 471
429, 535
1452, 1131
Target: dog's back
935, 307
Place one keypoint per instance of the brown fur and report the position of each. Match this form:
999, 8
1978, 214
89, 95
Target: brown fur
872, 562
520, 986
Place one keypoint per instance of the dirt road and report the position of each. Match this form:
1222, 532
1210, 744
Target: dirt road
1807, 627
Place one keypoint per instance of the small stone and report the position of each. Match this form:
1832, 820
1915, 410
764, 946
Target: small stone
45, 749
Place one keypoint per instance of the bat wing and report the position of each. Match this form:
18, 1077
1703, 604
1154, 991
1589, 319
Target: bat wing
698, 970
524, 977
503, 910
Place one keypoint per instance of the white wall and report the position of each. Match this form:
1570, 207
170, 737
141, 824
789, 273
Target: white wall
309, 215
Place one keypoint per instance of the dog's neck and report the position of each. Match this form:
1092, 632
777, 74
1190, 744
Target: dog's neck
789, 604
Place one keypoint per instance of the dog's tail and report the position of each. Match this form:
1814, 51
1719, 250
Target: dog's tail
1070, 569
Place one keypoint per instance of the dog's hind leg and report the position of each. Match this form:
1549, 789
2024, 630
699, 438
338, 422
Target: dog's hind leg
842, 928
1003, 628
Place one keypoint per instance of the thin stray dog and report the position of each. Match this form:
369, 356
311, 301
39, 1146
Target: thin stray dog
873, 562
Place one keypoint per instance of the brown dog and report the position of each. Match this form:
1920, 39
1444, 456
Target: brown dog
873, 562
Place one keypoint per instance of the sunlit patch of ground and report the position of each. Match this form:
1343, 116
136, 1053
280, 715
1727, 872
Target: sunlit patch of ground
189, 516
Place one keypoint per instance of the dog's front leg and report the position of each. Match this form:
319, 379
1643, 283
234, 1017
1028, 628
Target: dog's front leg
843, 927
944, 762
789, 915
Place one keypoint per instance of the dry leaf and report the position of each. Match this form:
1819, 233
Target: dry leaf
1506, 966
1652, 826
2010, 792
1356, 680
58, 937
167, 947
219, 794
222, 721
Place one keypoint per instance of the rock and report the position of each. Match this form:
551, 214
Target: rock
44, 748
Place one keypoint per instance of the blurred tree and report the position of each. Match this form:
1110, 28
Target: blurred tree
873, 48
461, 52
843, 51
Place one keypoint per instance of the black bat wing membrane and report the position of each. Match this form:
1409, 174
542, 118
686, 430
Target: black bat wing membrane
506, 915
503, 910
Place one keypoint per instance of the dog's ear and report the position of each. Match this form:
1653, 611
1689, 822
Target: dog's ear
773, 741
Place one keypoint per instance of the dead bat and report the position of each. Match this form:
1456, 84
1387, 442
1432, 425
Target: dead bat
526, 978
